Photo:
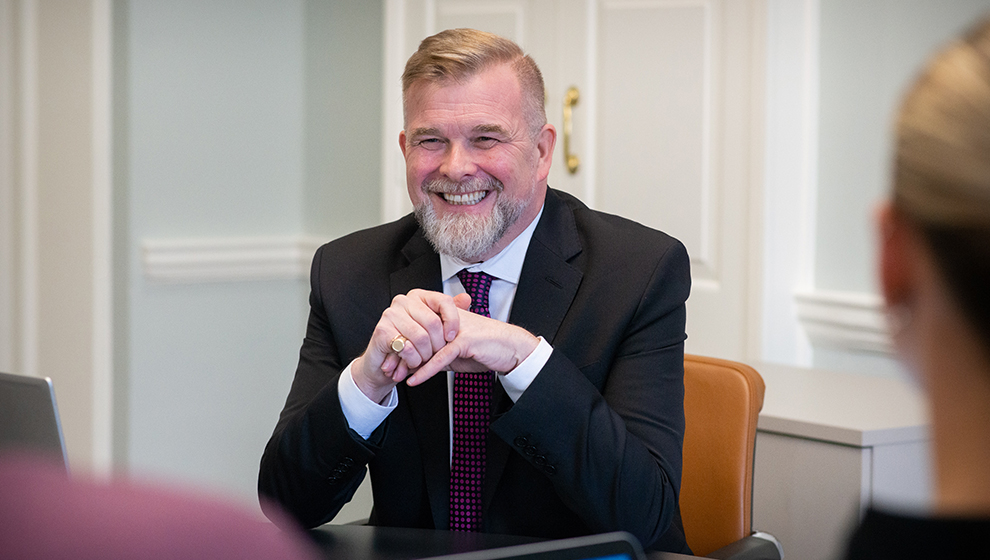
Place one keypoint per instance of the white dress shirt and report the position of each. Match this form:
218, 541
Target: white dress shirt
364, 415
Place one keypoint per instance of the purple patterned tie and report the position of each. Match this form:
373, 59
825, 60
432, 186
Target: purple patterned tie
471, 418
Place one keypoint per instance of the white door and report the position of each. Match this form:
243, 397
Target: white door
666, 126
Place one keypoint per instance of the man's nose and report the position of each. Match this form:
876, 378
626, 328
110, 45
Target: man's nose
458, 163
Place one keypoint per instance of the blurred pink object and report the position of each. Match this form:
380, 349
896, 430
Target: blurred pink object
46, 514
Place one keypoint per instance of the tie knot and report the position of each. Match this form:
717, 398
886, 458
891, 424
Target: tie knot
477, 285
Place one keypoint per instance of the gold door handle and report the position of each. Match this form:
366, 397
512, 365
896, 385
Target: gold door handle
570, 100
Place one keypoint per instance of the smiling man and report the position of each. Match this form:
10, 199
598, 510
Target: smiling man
565, 327
461, 155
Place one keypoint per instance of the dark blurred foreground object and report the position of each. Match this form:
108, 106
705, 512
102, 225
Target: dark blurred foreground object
45, 514
891, 535
609, 546
368, 542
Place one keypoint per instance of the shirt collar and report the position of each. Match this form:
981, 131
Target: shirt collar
506, 265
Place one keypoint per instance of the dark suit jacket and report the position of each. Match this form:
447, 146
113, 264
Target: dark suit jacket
593, 445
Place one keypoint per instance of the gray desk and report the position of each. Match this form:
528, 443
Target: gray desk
361, 542
828, 445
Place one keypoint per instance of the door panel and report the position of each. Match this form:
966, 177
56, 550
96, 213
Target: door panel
666, 126
654, 118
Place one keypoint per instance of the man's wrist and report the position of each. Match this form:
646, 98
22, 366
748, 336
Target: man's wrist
378, 395
520, 378
362, 414
528, 343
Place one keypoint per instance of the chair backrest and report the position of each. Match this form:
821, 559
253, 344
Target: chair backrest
722, 400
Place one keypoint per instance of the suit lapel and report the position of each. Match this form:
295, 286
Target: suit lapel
548, 281
423, 270
547, 286
428, 402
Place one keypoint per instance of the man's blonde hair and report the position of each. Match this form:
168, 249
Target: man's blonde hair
458, 54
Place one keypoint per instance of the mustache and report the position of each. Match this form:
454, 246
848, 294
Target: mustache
471, 184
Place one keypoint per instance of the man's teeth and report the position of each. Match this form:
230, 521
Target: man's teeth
467, 199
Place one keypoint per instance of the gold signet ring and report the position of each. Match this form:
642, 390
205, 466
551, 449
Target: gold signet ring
398, 343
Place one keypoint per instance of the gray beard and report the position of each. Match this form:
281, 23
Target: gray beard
467, 237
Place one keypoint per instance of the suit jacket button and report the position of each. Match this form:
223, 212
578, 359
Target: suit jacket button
530, 450
521, 441
540, 460
550, 470
347, 461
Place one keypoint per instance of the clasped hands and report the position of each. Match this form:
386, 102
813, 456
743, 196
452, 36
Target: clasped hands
441, 335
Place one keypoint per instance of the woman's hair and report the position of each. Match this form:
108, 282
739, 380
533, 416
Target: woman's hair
458, 54
942, 168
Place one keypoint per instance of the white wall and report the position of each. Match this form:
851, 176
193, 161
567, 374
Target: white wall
169, 309
343, 81
871, 51
237, 124
836, 72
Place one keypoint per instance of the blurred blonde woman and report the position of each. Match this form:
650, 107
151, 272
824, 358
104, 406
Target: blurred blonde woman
935, 274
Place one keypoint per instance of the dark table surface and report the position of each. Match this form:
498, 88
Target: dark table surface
362, 542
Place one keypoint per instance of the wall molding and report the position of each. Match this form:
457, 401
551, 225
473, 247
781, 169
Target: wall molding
395, 201
852, 321
230, 259
790, 177
27, 189
102, 161
8, 211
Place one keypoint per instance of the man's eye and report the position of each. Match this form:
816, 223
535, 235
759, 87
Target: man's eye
485, 141
430, 143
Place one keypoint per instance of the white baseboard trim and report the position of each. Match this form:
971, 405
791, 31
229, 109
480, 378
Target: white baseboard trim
236, 259
844, 320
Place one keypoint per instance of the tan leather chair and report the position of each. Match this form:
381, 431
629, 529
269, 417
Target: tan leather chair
722, 400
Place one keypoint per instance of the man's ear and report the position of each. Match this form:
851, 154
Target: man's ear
402, 142
898, 255
545, 143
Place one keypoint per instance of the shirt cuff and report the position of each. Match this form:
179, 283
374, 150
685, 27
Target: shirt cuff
363, 415
519, 379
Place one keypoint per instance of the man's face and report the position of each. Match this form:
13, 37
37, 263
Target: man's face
475, 171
